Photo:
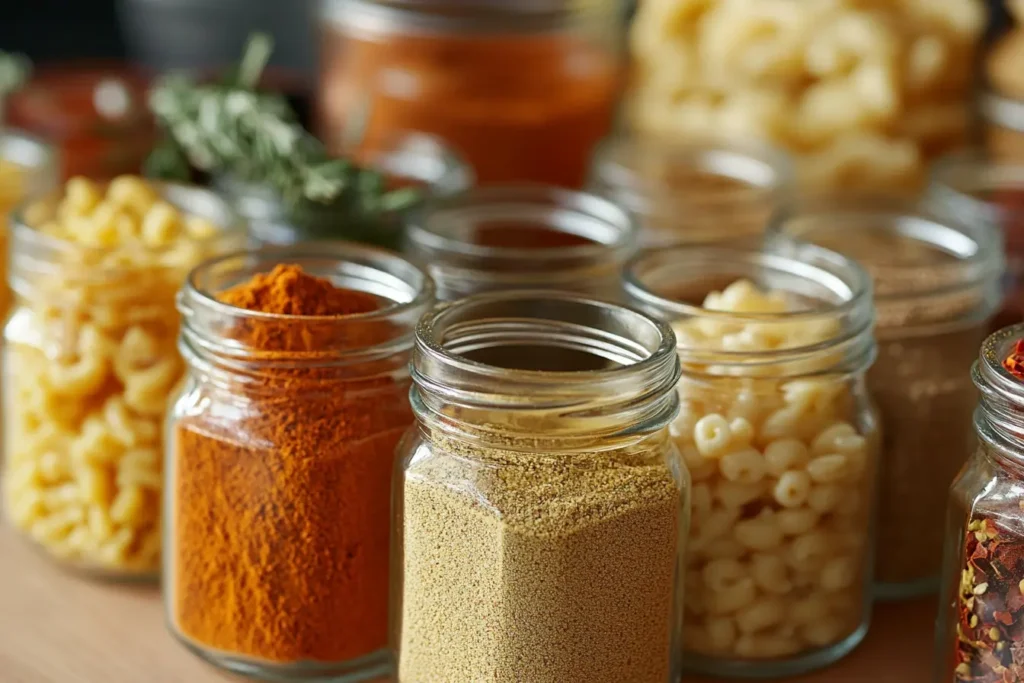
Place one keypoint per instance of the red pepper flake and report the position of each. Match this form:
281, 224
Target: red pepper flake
990, 605
1014, 363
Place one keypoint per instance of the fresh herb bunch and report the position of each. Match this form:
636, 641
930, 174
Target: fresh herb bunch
230, 128
14, 71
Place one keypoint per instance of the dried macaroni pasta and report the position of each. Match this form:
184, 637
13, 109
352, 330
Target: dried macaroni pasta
782, 484
92, 360
864, 91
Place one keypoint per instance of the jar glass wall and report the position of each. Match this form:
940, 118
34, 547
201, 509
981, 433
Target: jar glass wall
392, 66
781, 440
280, 452
525, 236
701, 191
979, 630
977, 190
541, 505
90, 363
937, 286
409, 160
27, 167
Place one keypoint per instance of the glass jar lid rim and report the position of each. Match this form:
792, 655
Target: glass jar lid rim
990, 375
383, 15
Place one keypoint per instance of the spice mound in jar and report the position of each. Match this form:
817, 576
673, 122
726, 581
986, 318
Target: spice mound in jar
281, 523
782, 458
91, 363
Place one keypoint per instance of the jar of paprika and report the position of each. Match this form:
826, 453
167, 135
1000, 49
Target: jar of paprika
280, 458
523, 90
522, 236
981, 618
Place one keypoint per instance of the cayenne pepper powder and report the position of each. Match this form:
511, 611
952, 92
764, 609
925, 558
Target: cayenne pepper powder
282, 474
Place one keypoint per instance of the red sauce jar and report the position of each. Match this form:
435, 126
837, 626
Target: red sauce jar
523, 90
95, 114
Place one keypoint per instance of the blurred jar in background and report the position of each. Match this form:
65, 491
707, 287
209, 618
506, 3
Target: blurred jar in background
864, 93
701, 191
522, 90
1002, 103
979, 190
96, 115
27, 167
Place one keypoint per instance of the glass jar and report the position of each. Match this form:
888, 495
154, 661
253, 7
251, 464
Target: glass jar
280, 459
780, 437
541, 507
978, 190
523, 90
937, 285
90, 363
27, 167
1000, 103
979, 634
415, 160
864, 94
701, 191
522, 237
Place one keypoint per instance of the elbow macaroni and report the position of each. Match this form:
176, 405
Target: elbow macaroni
91, 363
863, 93
778, 552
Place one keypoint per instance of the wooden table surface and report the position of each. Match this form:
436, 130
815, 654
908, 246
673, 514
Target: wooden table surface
59, 628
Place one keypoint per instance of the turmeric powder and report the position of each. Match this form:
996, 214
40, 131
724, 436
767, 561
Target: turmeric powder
281, 480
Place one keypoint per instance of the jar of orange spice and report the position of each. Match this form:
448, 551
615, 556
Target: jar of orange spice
522, 89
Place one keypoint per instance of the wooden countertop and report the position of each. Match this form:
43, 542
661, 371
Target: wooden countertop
58, 628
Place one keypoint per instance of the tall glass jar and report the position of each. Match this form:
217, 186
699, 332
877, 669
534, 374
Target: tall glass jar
90, 363
522, 236
523, 90
27, 167
977, 189
280, 459
700, 191
979, 632
780, 437
937, 286
413, 160
541, 507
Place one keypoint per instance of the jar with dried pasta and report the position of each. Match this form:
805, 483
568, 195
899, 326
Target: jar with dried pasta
28, 166
780, 437
701, 191
91, 358
937, 285
522, 237
865, 94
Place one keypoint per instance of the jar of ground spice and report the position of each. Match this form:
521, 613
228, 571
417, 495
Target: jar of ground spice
977, 190
937, 287
280, 458
541, 506
701, 191
522, 236
981, 621
779, 435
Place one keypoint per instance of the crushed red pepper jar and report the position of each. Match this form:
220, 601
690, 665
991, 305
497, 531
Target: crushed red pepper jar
981, 622
523, 90
94, 114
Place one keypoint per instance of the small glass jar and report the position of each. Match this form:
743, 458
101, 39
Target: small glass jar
524, 236
279, 466
781, 439
413, 160
937, 286
541, 507
523, 90
976, 189
699, 191
90, 363
27, 167
979, 631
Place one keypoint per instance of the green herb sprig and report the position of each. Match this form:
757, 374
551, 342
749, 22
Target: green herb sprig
14, 71
231, 128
